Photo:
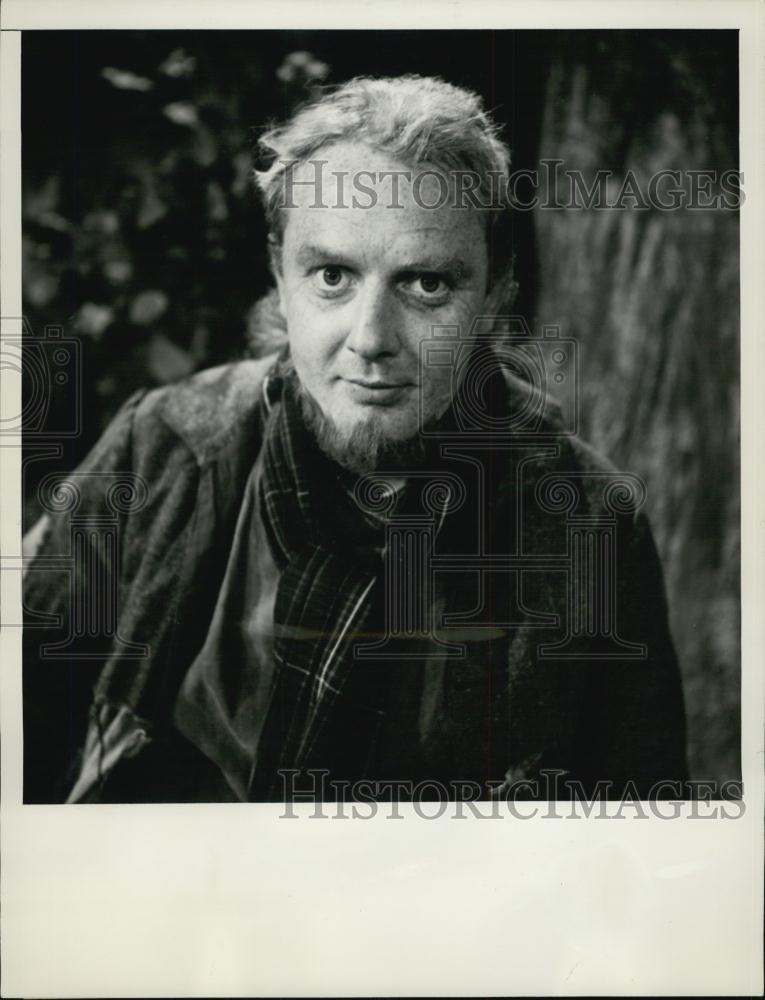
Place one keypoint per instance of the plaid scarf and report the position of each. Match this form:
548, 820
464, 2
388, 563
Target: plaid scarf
329, 553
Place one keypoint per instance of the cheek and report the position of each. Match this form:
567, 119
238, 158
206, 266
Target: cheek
311, 331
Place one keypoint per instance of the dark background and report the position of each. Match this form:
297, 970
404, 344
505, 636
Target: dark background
144, 242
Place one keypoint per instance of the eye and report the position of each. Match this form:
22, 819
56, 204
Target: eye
431, 284
331, 280
332, 276
429, 287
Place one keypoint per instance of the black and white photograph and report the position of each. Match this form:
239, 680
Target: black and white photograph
430, 491
378, 419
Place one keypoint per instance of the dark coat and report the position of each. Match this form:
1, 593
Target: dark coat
595, 708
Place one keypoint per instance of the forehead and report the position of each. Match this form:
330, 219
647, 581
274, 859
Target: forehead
356, 199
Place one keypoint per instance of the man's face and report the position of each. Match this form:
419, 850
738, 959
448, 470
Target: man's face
360, 288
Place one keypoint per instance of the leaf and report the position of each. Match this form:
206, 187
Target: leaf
166, 361
148, 306
123, 79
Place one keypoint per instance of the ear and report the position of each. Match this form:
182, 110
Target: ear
501, 295
275, 259
280, 294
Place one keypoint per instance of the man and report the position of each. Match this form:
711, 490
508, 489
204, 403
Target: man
373, 555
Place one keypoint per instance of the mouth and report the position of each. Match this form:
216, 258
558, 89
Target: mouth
377, 391
369, 384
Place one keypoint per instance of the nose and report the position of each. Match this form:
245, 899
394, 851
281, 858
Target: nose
373, 332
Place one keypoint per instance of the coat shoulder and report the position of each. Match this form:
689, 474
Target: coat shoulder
597, 479
534, 408
207, 409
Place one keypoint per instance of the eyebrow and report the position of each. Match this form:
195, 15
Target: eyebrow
454, 265
310, 252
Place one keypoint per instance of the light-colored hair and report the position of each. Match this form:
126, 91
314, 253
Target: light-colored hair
417, 120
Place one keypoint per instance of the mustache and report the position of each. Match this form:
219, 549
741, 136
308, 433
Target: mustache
285, 368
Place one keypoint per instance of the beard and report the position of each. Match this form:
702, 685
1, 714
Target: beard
366, 447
